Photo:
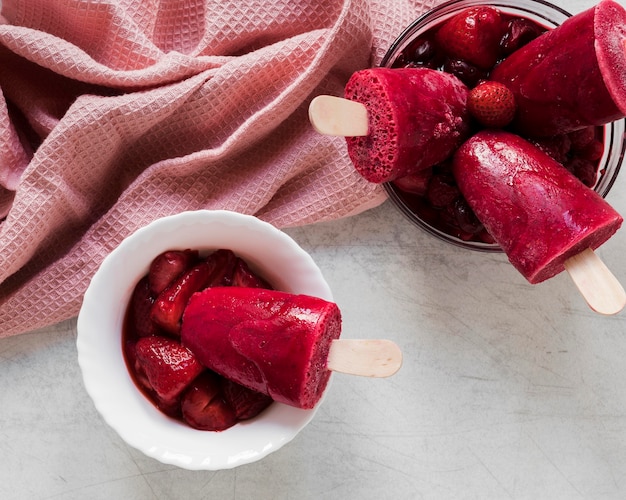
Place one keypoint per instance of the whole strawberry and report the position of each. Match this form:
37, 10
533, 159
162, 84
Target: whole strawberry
492, 104
474, 36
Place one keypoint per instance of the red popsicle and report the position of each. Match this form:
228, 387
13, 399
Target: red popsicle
572, 76
535, 209
273, 342
416, 117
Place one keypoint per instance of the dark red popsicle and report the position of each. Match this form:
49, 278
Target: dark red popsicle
416, 118
535, 209
572, 76
273, 342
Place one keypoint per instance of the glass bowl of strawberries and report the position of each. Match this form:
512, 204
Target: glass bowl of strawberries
148, 386
470, 39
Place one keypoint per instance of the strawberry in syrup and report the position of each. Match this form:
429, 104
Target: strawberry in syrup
168, 367
245, 402
141, 302
168, 373
474, 36
203, 405
168, 266
492, 104
243, 276
169, 305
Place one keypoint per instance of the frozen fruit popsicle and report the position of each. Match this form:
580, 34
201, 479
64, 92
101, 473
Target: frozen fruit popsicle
572, 76
273, 342
535, 209
415, 118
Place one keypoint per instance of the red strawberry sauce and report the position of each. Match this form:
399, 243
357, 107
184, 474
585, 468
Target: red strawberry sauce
470, 46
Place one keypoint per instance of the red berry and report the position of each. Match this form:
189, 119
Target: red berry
204, 407
441, 191
141, 303
416, 183
469, 74
585, 170
592, 151
582, 137
168, 366
168, 266
245, 402
519, 32
169, 306
473, 35
492, 104
244, 276
222, 263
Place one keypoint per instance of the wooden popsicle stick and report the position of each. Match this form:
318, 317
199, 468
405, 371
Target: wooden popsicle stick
332, 115
597, 284
364, 357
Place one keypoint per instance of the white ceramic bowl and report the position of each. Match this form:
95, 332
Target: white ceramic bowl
267, 250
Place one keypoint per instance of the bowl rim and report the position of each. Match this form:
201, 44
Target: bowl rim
105, 376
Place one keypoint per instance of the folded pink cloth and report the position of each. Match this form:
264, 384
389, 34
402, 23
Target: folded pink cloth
116, 112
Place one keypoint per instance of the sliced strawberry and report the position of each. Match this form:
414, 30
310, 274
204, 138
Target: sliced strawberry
141, 303
130, 350
222, 263
416, 183
204, 407
492, 104
168, 368
474, 36
169, 306
519, 32
245, 277
245, 402
168, 266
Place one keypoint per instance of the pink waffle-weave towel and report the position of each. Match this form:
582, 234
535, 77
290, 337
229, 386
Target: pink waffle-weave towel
116, 112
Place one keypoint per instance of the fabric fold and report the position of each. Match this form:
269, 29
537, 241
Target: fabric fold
115, 113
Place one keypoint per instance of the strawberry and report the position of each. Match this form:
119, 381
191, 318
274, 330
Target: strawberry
204, 407
244, 276
130, 351
168, 266
519, 32
492, 104
416, 183
167, 366
245, 402
142, 299
222, 263
170, 304
474, 36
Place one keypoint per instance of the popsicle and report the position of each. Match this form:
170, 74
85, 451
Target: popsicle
280, 344
572, 76
396, 121
535, 209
